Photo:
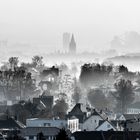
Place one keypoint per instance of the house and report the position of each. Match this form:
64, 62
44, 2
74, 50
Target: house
44, 102
130, 122
129, 116
110, 114
9, 125
92, 121
30, 133
53, 70
72, 123
88, 118
133, 108
120, 117
80, 111
106, 135
105, 125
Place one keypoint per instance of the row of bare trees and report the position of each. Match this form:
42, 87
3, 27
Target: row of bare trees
16, 80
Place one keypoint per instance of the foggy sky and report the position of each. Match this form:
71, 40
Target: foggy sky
41, 23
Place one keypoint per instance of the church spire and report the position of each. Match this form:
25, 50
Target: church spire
72, 45
72, 39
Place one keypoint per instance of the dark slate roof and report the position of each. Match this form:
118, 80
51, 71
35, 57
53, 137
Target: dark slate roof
10, 123
78, 112
33, 131
135, 126
47, 100
95, 113
53, 70
77, 109
131, 116
114, 122
101, 122
106, 135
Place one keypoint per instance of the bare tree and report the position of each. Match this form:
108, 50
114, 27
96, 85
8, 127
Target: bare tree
13, 62
37, 61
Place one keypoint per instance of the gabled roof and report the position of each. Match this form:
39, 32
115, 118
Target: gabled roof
78, 109
95, 113
10, 123
131, 116
47, 131
135, 126
46, 100
105, 135
101, 122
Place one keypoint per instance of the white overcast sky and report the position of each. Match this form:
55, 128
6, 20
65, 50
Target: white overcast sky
94, 22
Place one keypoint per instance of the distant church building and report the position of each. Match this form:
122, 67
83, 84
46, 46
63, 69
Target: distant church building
72, 45
66, 41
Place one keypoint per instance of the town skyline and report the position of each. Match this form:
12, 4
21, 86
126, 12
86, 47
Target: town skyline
94, 23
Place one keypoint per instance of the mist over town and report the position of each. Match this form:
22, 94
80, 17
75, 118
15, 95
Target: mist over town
69, 70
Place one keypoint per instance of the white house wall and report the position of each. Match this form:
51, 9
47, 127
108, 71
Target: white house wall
105, 127
91, 123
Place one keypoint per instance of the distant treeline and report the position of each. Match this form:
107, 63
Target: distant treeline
98, 74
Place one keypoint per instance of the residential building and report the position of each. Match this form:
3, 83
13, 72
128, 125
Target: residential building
106, 135
91, 122
88, 118
44, 101
49, 133
72, 123
80, 112
105, 125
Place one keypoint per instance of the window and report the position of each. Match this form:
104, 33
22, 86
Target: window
31, 137
108, 126
47, 124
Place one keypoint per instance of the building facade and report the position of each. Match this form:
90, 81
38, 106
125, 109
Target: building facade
71, 124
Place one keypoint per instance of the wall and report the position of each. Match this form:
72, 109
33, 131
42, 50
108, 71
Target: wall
91, 123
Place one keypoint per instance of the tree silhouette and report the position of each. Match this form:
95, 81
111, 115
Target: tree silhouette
37, 61
97, 98
95, 74
62, 135
123, 69
60, 108
124, 94
40, 136
13, 62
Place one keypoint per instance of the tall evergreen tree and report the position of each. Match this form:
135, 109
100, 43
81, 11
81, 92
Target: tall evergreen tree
124, 94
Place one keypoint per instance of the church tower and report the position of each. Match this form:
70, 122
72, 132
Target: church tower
66, 41
72, 45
